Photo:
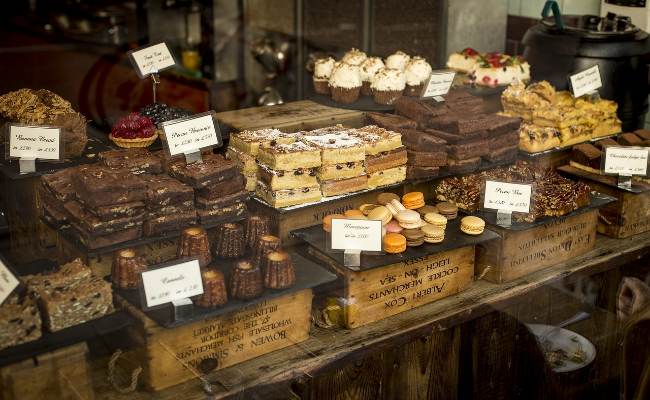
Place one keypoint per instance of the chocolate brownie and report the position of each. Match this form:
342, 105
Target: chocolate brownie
171, 209
60, 184
136, 160
94, 226
214, 216
506, 153
212, 170
390, 121
443, 123
98, 185
163, 190
472, 149
427, 159
233, 185
629, 139
455, 138
108, 213
456, 166
169, 223
643, 134
422, 141
601, 144
500, 124
224, 201
586, 154
419, 110
93, 242
54, 217
468, 125
461, 99
416, 172
504, 140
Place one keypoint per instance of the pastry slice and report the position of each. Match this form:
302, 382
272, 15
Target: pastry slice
337, 147
608, 127
337, 187
288, 197
630, 139
378, 140
244, 161
249, 142
251, 181
386, 160
533, 139
278, 180
574, 134
288, 157
557, 117
386, 177
341, 171
587, 157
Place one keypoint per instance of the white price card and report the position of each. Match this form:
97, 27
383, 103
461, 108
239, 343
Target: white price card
513, 197
626, 160
189, 135
355, 234
586, 81
439, 84
166, 284
34, 142
8, 282
151, 59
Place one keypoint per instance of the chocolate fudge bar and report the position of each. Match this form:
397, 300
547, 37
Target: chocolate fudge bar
163, 190
455, 138
501, 124
169, 223
137, 160
93, 242
587, 155
507, 153
421, 111
213, 204
456, 166
115, 211
629, 139
472, 149
98, 185
390, 121
504, 140
225, 213
643, 134
94, 226
60, 184
422, 141
214, 169
416, 172
20, 320
427, 159
177, 208
230, 186
601, 144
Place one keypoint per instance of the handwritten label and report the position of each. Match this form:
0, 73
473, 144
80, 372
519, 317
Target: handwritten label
439, 84
191, 134
151, 59
586, 81
504, 196
179, 281
8, 282
353, 234
34, 142
626, 160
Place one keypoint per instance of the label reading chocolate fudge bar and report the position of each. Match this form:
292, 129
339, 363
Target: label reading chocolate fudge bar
174, 282
151, 59
586, 81
439, 84
352, 234
189, 135
8, 282
34, 142
513, 197
626, 160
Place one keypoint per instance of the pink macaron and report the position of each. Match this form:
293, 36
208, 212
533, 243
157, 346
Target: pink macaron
393, 227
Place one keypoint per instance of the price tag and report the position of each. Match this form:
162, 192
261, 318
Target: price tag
586, 81
439, 84
151, 59
511, 197
34, 142
189, 135
353, 234
8, 282
626, 160
167, 284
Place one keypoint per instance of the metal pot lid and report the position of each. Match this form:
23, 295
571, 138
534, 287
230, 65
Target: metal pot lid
592, 27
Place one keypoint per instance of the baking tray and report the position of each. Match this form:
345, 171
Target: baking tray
607, 180
315, 236
308, 275
533, 156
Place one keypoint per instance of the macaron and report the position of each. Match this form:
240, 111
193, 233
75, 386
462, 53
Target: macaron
447, 210
394, 243
433, 234
393, 227
385, 198
398, 206
413, 200
472, 225
409, 219
357, 217
436, 219
380, 213
414, 237
427, 209
327, 221
366, 208
353, 213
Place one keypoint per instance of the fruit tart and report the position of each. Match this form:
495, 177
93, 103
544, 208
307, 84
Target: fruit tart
134, 130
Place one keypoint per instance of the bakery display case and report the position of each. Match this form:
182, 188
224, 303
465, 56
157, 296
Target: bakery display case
369, 200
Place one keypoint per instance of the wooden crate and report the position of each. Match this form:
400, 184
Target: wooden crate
378, 293
61, 374
175, 355
518, 253
290, 117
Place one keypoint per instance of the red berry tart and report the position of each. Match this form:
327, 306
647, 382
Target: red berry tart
134, 130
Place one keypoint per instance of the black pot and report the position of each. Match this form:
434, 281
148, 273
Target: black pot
622, 57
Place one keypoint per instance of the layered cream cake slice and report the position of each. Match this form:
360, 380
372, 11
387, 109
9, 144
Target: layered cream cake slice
288, 197
335, 187
341, 170
244, 161
279, 179
286, 157
336, 147
533, 139
249, 142
377, 140
387, 176
386, 160
558, 117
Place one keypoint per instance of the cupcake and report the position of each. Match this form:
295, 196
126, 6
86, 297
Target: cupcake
345, 83
368, 70
388, 85
398, 60
354, 57
417, 73
322, 71
134, 130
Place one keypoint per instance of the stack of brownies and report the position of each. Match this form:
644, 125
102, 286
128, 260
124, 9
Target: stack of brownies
218, 185
169, 203
55, 190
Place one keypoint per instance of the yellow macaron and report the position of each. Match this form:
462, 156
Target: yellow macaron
472, 225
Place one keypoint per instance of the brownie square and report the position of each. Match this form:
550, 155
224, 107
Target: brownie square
98, 185
472, 149
643, 134
96, 227
455, 138
212, 170
233, 185
418, 172
463, 166
207, 204
93, 242
163, 190
630, 139
390, 121
136, 160
503, 154
419, 110
169, 223
176, 208
226, 213
500, 124
601, 144
427, 159
124, 210
422, 141
60, 184
505, 140
586, 154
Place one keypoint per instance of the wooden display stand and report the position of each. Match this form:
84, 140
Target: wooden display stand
520, 252
60, 374
175, 355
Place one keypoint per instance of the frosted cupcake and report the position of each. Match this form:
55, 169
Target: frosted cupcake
368, 70
345, 83
354, 57
417, 73
398, 60
322, 72
387, 85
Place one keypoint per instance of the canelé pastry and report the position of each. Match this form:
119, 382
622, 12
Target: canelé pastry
369, 67
230, 241
126, 269
194, 243
246, 281
413, 200
264, 245
322, 72
279, 271
256, 226
345, 83
417, 72
388, 85
394, 243
214, 289
472, 225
